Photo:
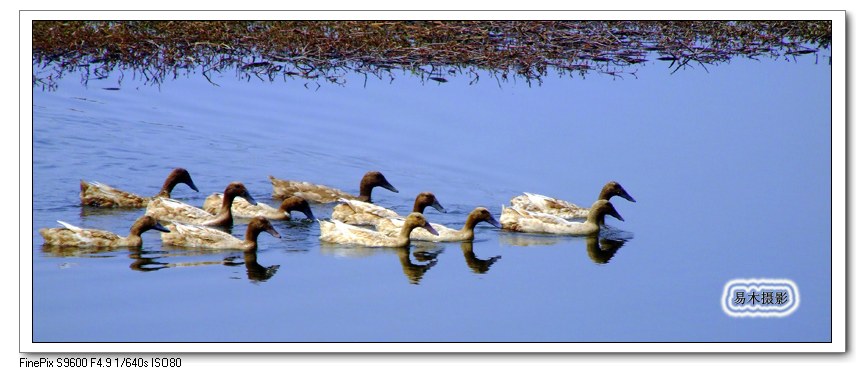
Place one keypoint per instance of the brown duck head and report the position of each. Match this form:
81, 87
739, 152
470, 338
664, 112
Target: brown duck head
614, 189
371, 180
426, 199
295, 203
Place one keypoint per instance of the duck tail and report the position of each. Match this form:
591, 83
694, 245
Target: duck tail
68, 226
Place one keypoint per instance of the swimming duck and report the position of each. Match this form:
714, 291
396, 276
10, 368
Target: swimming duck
365, 213
341, 233
101, 195
241, 208
199, 237
71, 235
538, 203
167, 209
283, 189
392, 227
516, 219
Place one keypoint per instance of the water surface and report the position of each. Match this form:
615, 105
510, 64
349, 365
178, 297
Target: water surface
731, 171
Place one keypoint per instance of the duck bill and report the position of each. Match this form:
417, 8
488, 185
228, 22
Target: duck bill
626, 196
160, 228
308, 212
249, 199
436, 205
430, 229
192, 185
273, 232
494, 222
385, 184
615, 213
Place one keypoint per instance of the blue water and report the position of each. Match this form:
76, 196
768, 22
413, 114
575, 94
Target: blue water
730, 170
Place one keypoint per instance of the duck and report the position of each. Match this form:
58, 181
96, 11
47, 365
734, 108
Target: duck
564, 209
516, 219
94, 193
365, 213
392, 227
200, 237
341, 233
241, 208
283, 189
167, 209
71, 235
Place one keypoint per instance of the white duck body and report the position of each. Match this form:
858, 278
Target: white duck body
360, 213
365, 213
519, 220
341, 233
241, 208
324, 194
539, 203
194, 236
73, 236
94, 193
392, 227
167, 209
532, 202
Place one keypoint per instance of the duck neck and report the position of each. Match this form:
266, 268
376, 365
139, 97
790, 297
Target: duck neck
419, 206
469, 227
133, 240
365, 191
606, 193
224, 217
167, 187
404, 234
250, 240
365, 195
595, 218
136, 230
134, 237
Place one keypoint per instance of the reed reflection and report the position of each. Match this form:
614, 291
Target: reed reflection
477, 265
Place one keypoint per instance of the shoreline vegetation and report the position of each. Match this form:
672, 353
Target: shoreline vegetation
438, 51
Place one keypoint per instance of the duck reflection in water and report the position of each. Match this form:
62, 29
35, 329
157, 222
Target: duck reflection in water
415, 272
255, 272
79, 252
600, 247
147, 261
426, 256
529, 239
477, 265
601, 250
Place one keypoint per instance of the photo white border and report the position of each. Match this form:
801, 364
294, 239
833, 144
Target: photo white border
839, 183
